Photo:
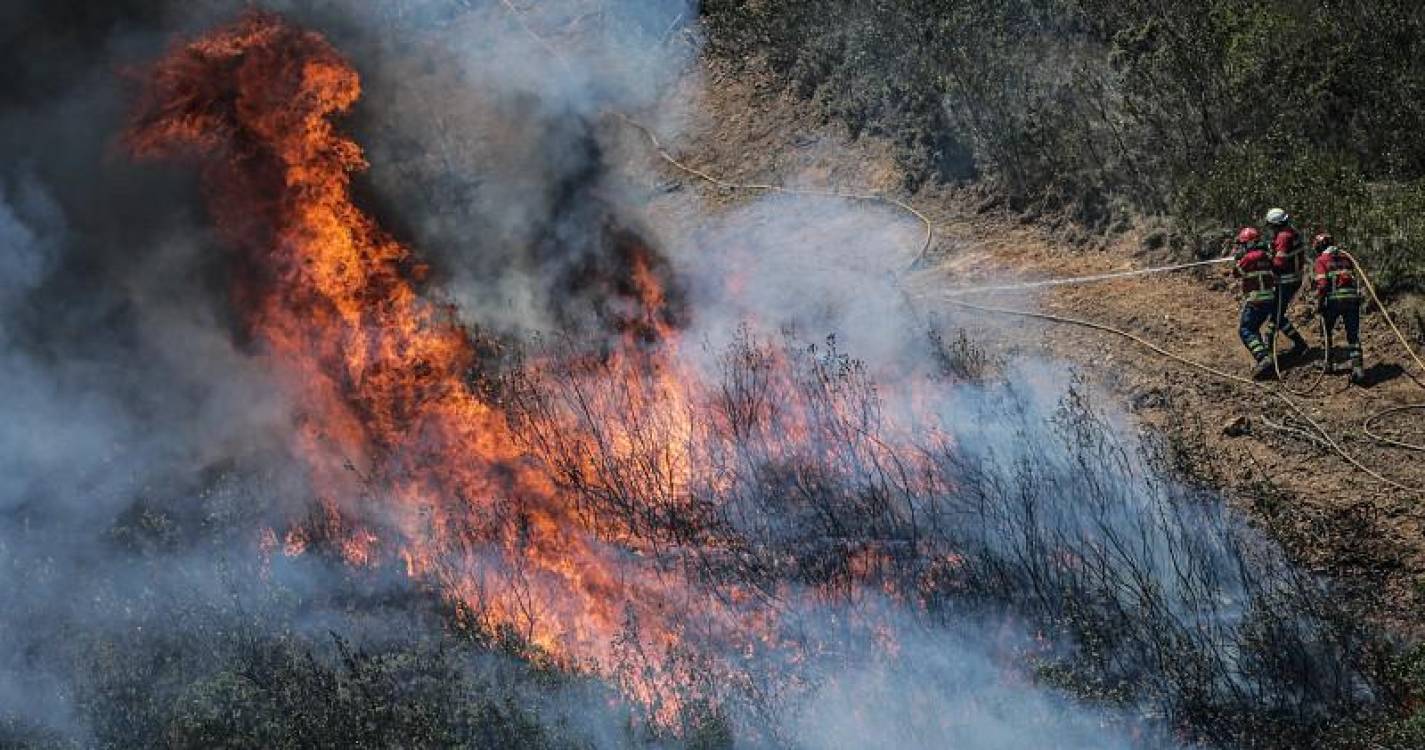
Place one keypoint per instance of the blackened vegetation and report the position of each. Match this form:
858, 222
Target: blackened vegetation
960, 358
642, 296
1176, 609
1208, 110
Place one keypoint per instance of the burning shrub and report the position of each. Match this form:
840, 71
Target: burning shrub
788, 481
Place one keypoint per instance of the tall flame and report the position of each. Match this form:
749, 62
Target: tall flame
380, 373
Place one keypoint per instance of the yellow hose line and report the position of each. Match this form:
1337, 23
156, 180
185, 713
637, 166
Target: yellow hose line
1404, 342
962, 291
768, 188
1276, 365
1366, 427
1227, 376
929, 238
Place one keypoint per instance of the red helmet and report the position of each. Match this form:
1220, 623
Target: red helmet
1322, 241
1248, 235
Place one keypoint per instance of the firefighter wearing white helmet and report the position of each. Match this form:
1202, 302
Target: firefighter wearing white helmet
1288, 261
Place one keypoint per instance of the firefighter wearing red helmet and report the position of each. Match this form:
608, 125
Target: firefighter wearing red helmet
1253, 266
1338, 297
1289, 262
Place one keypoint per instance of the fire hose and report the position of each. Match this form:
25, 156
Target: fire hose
870, 197
1321, 431
1405, 344
950, 297
1371, 420
1325, 355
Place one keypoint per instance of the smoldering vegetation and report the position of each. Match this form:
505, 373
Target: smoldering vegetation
1026, 576
172, 628
1028, 514
143, 448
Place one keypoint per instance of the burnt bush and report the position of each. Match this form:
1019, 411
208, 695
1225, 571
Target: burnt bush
797, 468
796, 482
291, 695
960, 358
221, 682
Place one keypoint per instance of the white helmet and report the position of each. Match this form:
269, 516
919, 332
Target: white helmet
1277, 217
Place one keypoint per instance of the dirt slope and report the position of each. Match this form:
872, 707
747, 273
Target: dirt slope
1332, 517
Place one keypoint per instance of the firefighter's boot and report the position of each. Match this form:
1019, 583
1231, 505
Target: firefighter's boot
1299, 346
1358, 371
1264, 369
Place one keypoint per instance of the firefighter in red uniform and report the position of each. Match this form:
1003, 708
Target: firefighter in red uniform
1259, 292
1288, 261
1338, 297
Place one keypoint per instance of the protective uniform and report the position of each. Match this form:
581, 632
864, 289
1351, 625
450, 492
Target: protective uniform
1338, 297
1259, 295
1288, 261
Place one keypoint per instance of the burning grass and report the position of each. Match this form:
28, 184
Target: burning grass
1147, 594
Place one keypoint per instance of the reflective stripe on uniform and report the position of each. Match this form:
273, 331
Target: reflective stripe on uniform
1294, 259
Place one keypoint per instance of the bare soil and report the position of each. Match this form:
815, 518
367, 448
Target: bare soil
1332, 518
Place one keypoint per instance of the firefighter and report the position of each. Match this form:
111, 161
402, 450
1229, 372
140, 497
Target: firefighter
1288, 261
1338, 297
1259, 292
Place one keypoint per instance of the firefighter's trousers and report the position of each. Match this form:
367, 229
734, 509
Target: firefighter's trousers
1347, 311
1279, 319
1254, 315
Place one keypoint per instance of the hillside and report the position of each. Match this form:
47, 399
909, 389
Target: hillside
627, 374
1362, 534
1334, 517
1199, 112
